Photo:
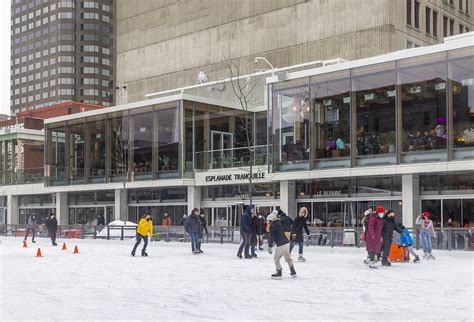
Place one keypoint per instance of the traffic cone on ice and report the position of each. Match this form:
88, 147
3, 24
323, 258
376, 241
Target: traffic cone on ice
24, 244
76, 251
38, 253
64, 247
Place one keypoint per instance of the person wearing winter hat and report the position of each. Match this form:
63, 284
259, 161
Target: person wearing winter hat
287, 223
277, 236
245, 232
365, 224
374, 235
31, 226
389, 226
52, 227
192, 226
426, 232
297, 232
407, 241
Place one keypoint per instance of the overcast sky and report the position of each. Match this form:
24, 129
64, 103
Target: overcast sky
5, 57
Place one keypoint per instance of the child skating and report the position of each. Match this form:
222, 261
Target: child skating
407, 241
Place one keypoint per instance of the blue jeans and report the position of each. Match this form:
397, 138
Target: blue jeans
425, 241
194, 241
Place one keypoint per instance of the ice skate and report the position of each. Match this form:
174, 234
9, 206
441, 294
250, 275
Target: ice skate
144, 254
301, 258
254, 255
367, 261
260, 248
54, 244
200, 251
248, 257
425, 256
277, 275
373, 264
132, 253
417, 259
385, 262
430, 256
293, 272
239, 256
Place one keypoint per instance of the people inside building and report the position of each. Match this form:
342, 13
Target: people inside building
297, 232
426, 233
145, 228
52, 227
101, 220
278, 237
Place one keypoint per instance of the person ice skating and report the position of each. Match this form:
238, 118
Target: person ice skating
297, 232
192, 226
52, 226
287, 223
389, 226
426, 232
254, 233
101, 220
261, 230
202, 218
31, 226
407, 241
145, 227
365, 225
245, 232
278, 236
166, 220
374, 235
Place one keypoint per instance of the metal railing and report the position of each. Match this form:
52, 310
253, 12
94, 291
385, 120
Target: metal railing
231, 158
446, 238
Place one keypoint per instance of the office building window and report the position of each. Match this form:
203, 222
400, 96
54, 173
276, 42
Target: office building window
435, 23
428, 20
445, 26
417, 14
424, 120
461, 28
451, 27
409, 12
461, 4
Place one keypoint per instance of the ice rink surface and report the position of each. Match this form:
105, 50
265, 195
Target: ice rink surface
104, 282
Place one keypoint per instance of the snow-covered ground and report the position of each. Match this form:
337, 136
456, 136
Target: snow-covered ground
104, 282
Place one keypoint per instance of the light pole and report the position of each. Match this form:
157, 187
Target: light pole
257, 59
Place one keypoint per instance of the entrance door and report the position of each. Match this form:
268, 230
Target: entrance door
233, 214
222, 144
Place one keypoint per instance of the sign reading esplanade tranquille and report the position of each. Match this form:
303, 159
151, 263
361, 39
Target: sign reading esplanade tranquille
235, 176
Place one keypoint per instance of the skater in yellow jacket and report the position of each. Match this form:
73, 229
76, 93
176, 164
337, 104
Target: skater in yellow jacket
145, 226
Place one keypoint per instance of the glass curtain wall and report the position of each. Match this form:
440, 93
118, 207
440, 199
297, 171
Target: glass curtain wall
141, 143
56, 158
118, 146
76, 152
424, 112
96, 143
168, 139
461, 84
291, 124
331, 124
374, 90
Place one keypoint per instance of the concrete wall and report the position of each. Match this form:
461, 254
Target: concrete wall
163, 44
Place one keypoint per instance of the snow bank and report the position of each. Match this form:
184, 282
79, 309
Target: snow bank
115, 229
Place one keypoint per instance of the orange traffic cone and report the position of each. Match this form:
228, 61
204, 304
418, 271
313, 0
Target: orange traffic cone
24, 244
38, 253
64, 247
76, 251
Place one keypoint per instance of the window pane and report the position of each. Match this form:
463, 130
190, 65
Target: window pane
452, 210
168, 141
57, 155
424, 120
142, 144
374, 88
468, 213
434, 208
76, 153
96, 132
461, 75
331, 108
119, 143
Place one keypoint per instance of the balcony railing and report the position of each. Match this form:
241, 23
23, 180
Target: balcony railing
231, 158
11, 177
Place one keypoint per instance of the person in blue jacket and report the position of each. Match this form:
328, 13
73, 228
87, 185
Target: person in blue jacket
245, 232
407, 241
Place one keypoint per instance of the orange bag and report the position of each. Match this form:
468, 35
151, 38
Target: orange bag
397, 253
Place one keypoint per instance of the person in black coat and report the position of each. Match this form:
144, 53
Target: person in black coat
389, 226
261, 231
202, 217
286, 222
297, 232
101, 220
192, 226
245, 232
254, 233
277, 235
52, 226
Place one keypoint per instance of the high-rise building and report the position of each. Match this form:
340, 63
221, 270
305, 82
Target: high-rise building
162, 46
62, 50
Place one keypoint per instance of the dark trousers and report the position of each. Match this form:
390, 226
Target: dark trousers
195, 244
52, 234
300, 246
28, 231
139, 239
244, 244
253, 243
386, 244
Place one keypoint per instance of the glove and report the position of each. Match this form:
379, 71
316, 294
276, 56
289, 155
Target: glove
367, 212
270, 250
151, 239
